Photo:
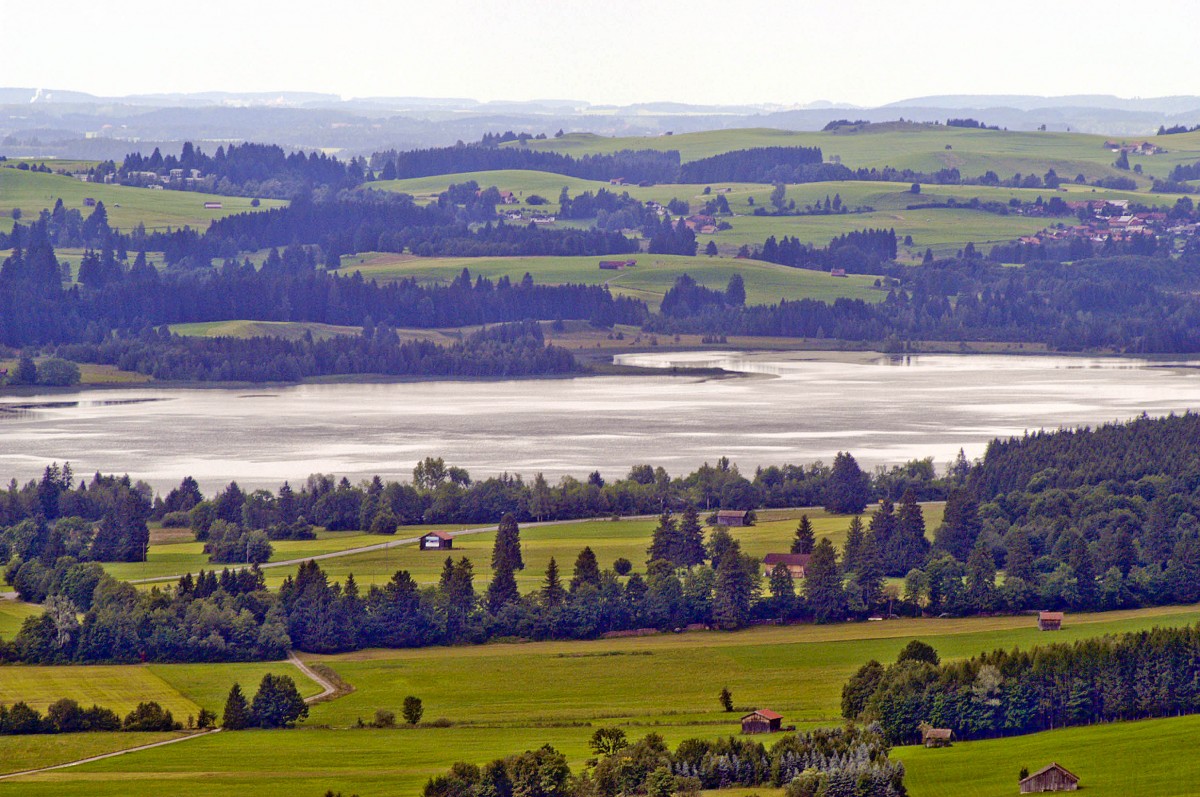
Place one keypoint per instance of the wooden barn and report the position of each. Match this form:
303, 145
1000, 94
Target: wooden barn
936, 737
437, 541
1054, 777
762, 721
732, 517
1050, 621
796, 563
616, 265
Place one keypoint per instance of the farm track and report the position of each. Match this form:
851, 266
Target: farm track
380, 546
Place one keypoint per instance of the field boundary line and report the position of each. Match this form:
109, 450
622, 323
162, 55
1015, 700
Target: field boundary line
113, 754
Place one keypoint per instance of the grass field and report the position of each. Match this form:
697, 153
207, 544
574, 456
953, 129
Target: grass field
289, 330
94, 373
13, 614
181, 688
506, 698
648, 280
918, 147
18, 753
126, 207
1153, 757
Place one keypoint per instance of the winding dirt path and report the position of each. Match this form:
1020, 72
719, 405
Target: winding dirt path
113, 754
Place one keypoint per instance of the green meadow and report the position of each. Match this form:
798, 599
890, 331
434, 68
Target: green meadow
19, 753
649, 280
920, 147
126, 207
503, 698
13, 614
288, 330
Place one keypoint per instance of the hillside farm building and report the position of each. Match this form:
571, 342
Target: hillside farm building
616, 265
212, 205
437, 541
1050, 621
936, 737
762, 721
732, 517
795, 563
1054, 777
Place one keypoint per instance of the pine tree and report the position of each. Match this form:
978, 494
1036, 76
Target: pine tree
911, 548
587, 570
734, 592
1018, 559
506, 551
852, 551
805, 539
236, 716
823, 584
848, 488
783, 590
553, 593
691, 539
502, 590
664, 541
981, 578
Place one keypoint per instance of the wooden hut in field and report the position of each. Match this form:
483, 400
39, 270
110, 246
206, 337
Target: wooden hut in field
437, 541
762, 721
796, 563
936, 737
1054, 777
732, 517
1050, 621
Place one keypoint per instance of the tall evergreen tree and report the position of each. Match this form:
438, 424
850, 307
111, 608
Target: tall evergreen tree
664, 541
805, 539
691, 539
587, 570
553, 593
960, 524
506, 551
848, 489
734, 592
911, 548
502, 590
237, 715
823, 584
852, 551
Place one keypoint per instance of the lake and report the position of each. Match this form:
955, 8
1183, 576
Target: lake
791, 407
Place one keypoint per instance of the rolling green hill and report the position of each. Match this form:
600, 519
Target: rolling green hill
32, 192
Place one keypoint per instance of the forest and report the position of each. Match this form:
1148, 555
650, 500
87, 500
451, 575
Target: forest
1004, 693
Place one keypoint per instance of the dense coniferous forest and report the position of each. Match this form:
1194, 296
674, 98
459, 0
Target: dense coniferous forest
1081, 520
763, 165
1004, 693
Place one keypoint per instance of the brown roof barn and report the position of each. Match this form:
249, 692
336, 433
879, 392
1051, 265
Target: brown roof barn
437, 541
1054, 777
732, 517
795, 563
936, 737
762, 721
1050, 621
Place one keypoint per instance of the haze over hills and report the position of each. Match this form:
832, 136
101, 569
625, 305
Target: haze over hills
38, 122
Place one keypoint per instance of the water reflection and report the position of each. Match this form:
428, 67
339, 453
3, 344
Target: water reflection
884, 409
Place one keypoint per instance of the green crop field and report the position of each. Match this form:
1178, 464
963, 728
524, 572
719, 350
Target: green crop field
126, 206
289, 330
19, 753
13, 614
504, 698
925, 148
1153, 757
648, 280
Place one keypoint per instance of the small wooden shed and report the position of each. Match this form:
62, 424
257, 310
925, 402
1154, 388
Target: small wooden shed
1050, 621
796, 563
1054, 777
732, 517
437, 541
936, 737
762, 721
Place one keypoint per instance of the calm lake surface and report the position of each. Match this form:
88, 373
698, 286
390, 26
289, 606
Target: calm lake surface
790, 409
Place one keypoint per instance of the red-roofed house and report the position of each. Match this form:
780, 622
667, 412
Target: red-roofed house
762, 721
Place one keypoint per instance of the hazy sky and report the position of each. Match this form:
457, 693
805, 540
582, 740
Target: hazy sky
616, 51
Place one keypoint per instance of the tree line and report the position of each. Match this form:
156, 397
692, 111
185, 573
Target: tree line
1132, 676
640, 166
824, 761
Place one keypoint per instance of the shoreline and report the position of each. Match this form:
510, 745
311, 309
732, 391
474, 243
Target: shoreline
600, 363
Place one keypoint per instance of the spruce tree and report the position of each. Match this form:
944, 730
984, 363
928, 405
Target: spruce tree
553, 593
804, 539
587, 570
852, 551
664, 542
823, 584
691, 539
911, 548
236, 716
506, 552
503, 590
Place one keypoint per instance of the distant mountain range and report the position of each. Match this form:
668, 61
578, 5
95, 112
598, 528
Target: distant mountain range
42, 122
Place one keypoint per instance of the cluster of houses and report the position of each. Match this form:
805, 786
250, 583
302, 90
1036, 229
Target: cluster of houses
701, 223
1135, 148
158, 181
1103, 223
616, 265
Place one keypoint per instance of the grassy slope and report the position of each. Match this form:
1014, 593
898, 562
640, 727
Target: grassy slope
1155, 757
922, 148
506, 690
648, 280
289, 330
18, 753
12, 614
31, 192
